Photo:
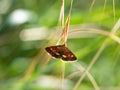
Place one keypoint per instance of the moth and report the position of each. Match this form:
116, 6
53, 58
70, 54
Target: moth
61, 51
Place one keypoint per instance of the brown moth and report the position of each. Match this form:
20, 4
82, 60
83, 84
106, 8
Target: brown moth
61, 51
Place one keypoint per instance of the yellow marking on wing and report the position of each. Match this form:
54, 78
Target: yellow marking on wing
51, 48
57, 54
64, 56
58, 47
72, 56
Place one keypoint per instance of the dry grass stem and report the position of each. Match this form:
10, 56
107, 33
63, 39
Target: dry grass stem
114, 10
92, 80
95, 57
91, 6
104, 6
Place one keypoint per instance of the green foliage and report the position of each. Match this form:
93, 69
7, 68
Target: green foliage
18, 54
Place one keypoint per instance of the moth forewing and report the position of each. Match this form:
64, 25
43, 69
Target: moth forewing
60, 51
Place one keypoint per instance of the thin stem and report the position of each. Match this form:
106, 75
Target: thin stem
63, 75
104, 8
91, 6
95, 58
81, 70
66, 27
116, 27
102, 32
91, 63
114, 10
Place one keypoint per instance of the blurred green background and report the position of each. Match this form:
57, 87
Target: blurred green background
26, 27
